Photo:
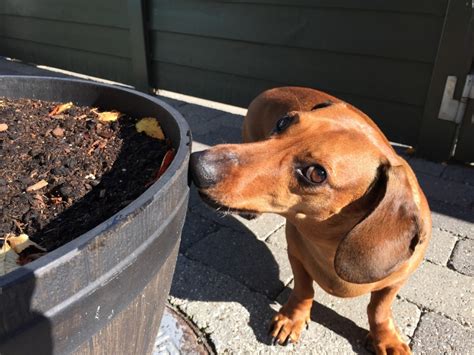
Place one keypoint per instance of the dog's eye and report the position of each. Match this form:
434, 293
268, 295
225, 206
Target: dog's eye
283, 123
314, 174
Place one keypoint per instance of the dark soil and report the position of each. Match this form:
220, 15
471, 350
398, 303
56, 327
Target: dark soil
93, 169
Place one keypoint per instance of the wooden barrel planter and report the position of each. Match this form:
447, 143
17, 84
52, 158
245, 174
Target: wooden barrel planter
104, 292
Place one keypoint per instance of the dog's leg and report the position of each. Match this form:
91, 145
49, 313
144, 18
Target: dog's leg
383, 335
288, 323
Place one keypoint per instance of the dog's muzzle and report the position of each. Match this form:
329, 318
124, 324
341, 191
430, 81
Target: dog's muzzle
209, 167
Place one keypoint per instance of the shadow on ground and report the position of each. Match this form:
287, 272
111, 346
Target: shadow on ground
234, 250
242, 266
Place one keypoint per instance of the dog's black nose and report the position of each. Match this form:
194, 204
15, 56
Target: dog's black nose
203, 171
208, 167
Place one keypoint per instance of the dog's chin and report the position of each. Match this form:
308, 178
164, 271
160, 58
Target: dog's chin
244, 213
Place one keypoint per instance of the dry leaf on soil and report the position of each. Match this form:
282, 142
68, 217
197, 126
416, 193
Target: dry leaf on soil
60, 108
151, 127
107, 116
167, 159
13, 252
8, 259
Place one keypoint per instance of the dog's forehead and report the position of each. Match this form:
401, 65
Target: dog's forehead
329, 129
341, 123
341, 142
338, 116
342, 148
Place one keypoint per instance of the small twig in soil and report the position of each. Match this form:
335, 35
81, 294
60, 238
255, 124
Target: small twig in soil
39, 185
18, 225
101, 144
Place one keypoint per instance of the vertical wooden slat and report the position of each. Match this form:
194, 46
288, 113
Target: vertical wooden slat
465, 147
437, 136
138, 45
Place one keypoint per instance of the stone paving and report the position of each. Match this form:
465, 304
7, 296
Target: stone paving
233, 274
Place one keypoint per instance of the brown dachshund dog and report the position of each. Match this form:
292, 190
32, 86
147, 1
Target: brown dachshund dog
356, 218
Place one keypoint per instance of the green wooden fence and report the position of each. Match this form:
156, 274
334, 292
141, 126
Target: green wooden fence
90, 37
378, 55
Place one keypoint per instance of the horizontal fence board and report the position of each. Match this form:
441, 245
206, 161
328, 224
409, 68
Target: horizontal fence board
104, 12
394, 35
91, 38
99, 65
221, 87
432, 7
400, 122
380, 78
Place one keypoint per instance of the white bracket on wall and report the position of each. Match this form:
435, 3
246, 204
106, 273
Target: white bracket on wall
451, 109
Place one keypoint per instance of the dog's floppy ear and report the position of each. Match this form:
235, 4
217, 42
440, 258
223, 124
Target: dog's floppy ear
387, 236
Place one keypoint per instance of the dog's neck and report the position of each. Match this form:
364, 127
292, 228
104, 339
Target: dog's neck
333, 228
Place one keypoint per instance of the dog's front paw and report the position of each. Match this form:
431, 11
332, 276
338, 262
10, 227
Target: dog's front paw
285, 330
287, 325
388, 343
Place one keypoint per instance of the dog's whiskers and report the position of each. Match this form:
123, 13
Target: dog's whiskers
221, 212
